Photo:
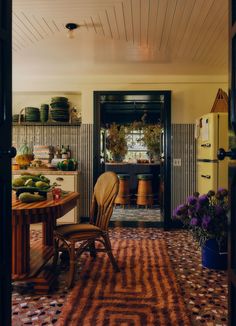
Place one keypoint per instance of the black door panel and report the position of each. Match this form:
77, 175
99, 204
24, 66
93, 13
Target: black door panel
5, 160
232, 164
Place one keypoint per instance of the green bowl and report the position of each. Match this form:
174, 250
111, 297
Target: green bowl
30, 109
59, 99
44, 106
59, 105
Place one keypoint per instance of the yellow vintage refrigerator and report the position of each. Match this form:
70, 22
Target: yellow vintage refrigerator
211, 134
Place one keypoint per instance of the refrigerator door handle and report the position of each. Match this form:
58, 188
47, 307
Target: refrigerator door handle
221, 154
206, 145
207, 176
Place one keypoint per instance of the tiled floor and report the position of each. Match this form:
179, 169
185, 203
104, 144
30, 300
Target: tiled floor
204, 290
136, 214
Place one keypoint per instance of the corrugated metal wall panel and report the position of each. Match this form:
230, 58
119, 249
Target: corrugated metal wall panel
183, 178
86, 154
80, 140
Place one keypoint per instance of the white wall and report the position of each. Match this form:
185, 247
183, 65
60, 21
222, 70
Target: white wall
192, 96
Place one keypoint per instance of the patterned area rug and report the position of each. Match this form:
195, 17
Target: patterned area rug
204, 291
145, 292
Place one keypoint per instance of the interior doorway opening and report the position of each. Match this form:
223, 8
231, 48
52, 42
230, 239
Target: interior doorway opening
144, 179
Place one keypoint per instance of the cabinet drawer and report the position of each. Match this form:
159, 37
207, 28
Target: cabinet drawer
66, 182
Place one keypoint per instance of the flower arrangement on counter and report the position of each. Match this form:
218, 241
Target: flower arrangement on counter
206, 216
150, 135
116, 141
152, 139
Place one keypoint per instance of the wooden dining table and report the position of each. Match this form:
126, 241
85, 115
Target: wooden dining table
29, 258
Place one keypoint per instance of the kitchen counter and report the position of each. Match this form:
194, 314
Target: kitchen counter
43, 171
129, 163
133, 169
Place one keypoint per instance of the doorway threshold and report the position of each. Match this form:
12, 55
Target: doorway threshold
136, 217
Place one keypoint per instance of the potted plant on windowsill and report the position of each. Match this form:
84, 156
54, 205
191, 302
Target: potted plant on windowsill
116, 142
206, 217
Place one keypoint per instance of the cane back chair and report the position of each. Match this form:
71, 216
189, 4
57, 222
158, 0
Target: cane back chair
67, 235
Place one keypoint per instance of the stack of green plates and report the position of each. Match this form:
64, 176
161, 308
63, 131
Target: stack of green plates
60, 109
15, 117
32, 114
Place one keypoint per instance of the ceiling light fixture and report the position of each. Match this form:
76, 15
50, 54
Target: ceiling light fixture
71, 29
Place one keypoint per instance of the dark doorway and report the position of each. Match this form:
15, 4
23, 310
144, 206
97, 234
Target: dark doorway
124, 107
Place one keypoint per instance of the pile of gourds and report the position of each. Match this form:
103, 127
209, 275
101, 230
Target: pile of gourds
30, 187
24, 156
67, 165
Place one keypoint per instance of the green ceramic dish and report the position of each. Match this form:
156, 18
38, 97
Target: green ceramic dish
59, 99
59, 105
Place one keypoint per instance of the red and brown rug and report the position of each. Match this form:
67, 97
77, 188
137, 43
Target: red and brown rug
145, 292
146, 286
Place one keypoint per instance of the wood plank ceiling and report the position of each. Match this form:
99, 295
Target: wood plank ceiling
188, 35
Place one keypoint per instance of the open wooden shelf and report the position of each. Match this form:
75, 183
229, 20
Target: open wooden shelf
69, 124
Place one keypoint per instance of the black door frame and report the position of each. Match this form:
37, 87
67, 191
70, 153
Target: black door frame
5, 159
168, 223
232, 166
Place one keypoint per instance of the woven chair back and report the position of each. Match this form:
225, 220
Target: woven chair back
105, 192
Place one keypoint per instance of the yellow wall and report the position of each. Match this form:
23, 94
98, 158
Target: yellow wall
192, 96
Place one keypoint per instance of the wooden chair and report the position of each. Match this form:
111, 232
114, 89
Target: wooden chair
67, 235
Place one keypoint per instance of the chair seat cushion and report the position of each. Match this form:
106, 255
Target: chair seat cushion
78, 230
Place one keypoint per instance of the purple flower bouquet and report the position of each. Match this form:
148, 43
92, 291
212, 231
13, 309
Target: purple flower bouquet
206, 216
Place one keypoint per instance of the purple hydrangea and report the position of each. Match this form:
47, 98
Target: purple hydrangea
206, 221
211, 193
223, 192
191, 211
181, 209
199, 209
192, 200
219, 211
194, 221
205, 215
203, 200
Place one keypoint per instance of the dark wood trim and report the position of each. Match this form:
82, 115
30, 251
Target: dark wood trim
5, 159
232, 167
168, 223
233, 30
3, 34
167, 153
96, 137
232, 277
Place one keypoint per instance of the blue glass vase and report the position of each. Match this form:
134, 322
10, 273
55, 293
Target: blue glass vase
212, 257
